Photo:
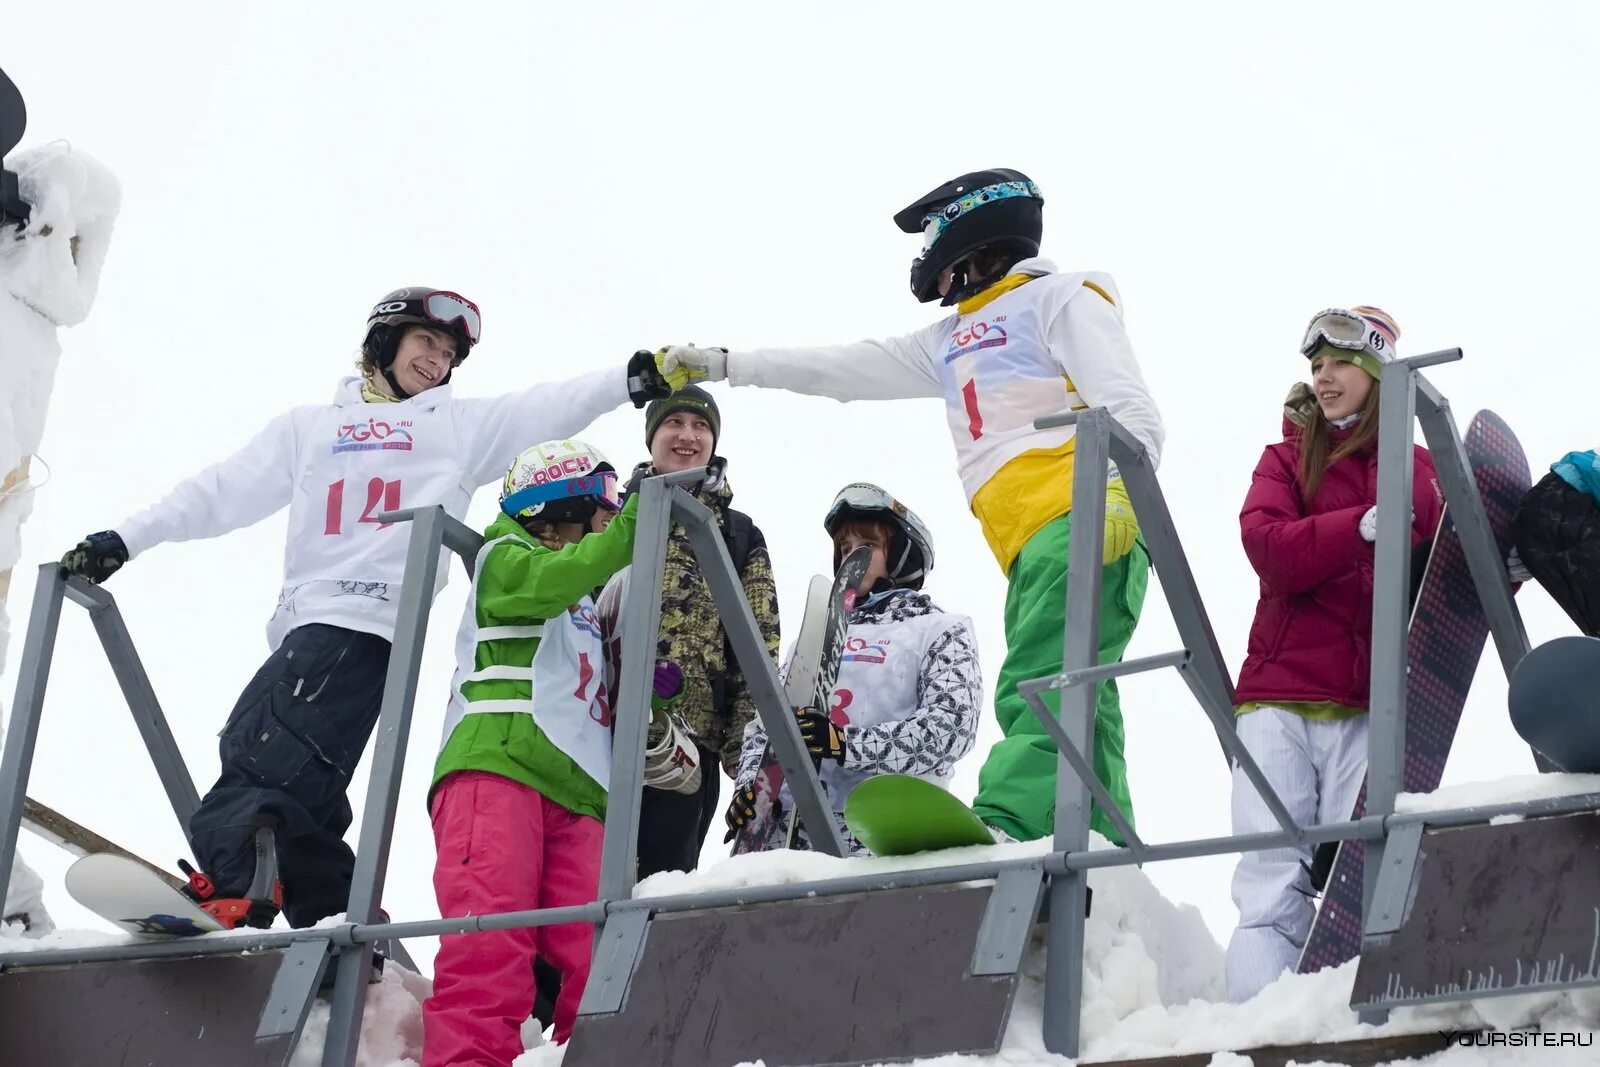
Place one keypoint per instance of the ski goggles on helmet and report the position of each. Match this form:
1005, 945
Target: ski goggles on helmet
1348, 331
448, 308
437, 306
601, 487
860, 496
935, 223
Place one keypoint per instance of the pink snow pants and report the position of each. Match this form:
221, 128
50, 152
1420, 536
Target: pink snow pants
503, 846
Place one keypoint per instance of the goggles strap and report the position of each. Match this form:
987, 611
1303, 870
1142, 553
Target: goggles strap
935, 222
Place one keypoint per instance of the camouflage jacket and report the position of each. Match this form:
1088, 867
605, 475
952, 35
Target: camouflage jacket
692, 636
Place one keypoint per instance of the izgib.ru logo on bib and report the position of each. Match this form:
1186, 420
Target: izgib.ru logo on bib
372, 436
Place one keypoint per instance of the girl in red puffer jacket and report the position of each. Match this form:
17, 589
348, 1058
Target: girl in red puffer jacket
1309, 523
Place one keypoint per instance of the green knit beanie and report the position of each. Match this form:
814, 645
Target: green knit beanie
690, 398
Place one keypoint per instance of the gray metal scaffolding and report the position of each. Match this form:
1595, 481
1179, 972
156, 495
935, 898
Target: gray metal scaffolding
623, 922
659, 506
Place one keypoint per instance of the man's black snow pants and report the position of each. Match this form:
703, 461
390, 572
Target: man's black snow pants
290, 746
673, 826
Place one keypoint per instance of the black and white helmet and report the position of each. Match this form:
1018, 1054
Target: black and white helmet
910, 544
419, 305
987, 209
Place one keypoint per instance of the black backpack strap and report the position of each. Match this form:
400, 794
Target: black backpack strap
741, 536
739, 531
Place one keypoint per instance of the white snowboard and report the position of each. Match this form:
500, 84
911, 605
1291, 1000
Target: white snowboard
800, 675
805, 658
135, 898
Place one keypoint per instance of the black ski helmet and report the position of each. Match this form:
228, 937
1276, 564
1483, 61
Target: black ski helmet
419, 305
999, 209
910, 554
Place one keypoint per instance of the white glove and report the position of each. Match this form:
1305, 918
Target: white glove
683, 365
1516, 570
1369, 523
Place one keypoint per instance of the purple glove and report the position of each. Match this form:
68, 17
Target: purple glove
668, 685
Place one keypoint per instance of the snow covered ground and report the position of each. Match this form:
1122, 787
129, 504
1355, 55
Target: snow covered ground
1153, 974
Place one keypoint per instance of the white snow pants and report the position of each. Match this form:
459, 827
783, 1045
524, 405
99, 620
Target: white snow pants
1317, 768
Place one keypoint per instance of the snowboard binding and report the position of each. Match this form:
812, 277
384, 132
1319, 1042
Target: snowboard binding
261, 902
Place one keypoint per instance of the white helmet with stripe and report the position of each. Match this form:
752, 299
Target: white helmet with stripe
910, 555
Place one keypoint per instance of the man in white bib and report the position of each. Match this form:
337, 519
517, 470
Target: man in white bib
393, 437
1021, 341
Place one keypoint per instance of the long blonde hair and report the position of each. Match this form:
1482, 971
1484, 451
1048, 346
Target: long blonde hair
544, 532
1317, 437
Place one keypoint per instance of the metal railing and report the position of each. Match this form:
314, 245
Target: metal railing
660, 505
1100, 442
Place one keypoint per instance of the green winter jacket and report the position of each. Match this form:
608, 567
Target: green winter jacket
520, 582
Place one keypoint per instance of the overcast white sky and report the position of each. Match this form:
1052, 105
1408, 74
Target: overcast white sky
602, 177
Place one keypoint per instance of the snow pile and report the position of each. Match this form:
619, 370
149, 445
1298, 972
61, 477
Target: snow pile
391, 1027
1301, 1009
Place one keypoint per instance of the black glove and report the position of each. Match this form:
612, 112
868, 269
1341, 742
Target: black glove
741, 810
645, 382
716, 472
823, 739
96, 558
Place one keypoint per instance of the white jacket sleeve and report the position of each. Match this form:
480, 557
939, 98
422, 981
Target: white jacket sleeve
1103, 368
241, 490
899, 368
495, 429
945, 723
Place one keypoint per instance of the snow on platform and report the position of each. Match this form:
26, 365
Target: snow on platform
1519, 787
1153, 982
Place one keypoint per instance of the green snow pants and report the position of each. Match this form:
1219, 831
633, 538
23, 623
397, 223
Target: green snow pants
1017, 785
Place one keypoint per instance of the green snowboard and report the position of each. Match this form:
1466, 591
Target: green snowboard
896, 815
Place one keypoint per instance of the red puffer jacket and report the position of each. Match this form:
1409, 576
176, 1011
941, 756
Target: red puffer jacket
1312, 635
